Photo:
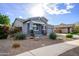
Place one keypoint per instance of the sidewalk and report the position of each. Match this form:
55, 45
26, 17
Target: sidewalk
52, 50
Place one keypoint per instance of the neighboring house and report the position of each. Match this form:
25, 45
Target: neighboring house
63, 28
76, 24
38, 24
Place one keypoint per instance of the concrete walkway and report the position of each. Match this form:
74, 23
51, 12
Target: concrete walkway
52, 50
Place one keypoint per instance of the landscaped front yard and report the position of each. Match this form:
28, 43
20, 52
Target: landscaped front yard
25, 45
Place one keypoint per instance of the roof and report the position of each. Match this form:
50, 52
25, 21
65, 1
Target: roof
50, 26
44, 19
64, 25
25, 20
22, 20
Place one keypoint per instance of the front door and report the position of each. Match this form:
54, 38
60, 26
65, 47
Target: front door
40, 28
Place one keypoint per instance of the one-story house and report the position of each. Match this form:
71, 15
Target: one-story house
63, 28
38, 24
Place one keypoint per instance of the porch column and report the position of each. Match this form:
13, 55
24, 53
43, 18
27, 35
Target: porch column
44, 29
31, 25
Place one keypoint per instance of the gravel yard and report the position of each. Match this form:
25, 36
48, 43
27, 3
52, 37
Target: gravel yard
25, 45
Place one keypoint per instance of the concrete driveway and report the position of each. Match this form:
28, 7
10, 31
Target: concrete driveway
52, 50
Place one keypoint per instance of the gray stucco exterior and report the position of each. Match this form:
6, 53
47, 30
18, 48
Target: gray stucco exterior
38, 24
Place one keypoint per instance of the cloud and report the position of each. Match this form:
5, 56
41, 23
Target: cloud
55, 10
69, 6
37, 10
20, 17
8, 13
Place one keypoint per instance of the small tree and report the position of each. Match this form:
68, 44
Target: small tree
76, 29
4, 26
4, 19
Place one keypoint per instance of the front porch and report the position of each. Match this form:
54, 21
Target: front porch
38, 28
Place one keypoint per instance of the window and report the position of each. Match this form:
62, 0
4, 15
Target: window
35, 27
18, 28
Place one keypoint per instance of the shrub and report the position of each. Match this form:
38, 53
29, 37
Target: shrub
11, 32
69, 35
52, 36
78, 34
20, 36
4, 30
73, 32
16, 45
76, 28
15, 30
4, 26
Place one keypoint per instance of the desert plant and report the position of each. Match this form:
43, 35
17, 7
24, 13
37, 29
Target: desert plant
13, 31
20, 36
16, 45
69, 35
4, 26
52, 36
16, 30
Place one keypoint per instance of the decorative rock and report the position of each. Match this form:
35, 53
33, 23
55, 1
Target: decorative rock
36, 38
59, 38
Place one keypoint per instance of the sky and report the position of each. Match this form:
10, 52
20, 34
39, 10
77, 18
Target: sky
56, 13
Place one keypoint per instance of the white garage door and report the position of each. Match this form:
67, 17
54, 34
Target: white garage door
49, 31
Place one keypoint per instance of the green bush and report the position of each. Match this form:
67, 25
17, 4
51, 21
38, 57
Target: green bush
78, 34
52, 36
73, 32
4, 19
69, 35
20, 36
